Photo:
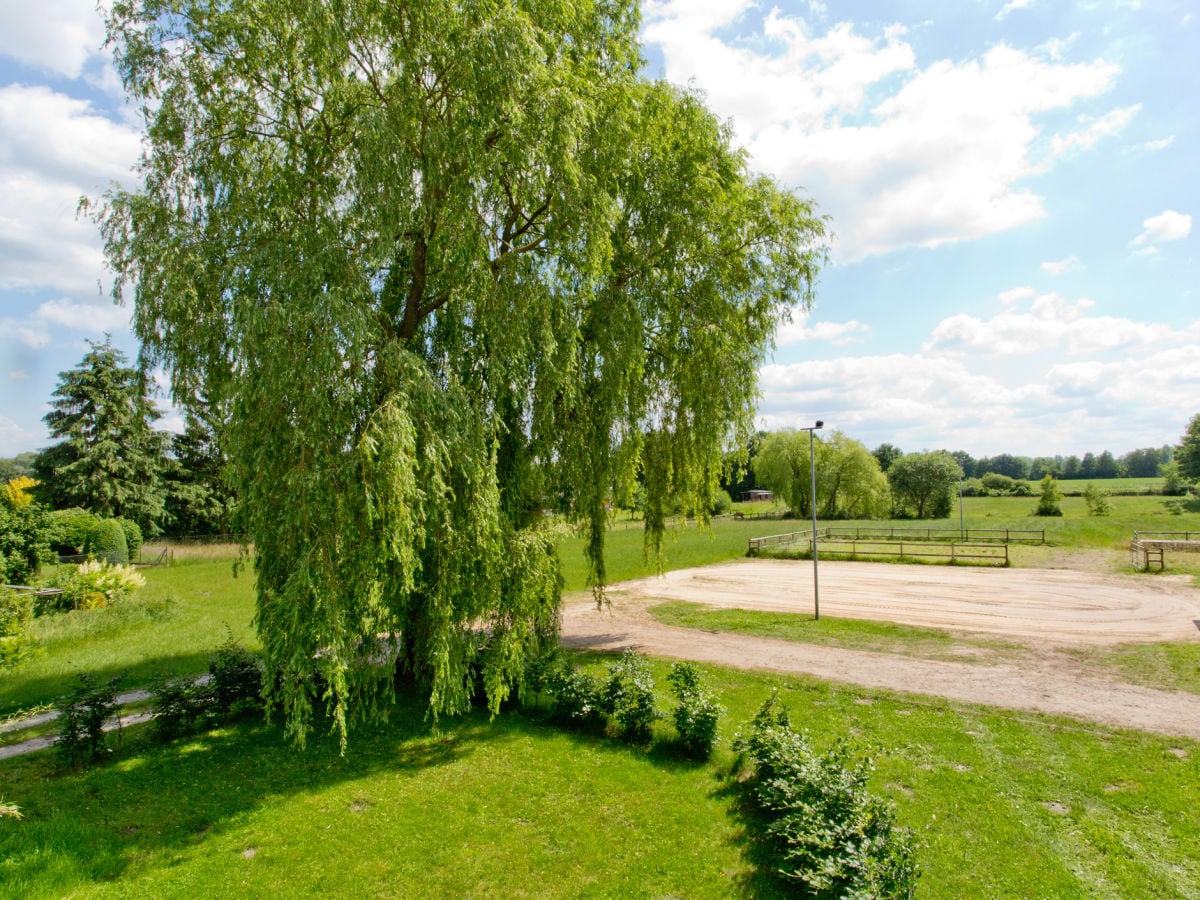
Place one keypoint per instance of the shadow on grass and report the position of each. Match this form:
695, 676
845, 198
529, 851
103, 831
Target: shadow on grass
90, 825
39, 689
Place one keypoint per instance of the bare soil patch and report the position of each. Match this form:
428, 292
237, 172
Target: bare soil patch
1047, 610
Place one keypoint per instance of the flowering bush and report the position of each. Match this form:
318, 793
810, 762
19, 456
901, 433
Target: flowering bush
95, 584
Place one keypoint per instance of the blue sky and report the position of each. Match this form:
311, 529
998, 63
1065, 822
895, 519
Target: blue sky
1011, 186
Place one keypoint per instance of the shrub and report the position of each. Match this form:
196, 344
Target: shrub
69, 528
236, 683
577, 697
629, 696
179, 707
1048, 501
1096, 500
697, 712
82, 715
826, 833
133, 535
1001, 484
16, 615
106, 541
95, 584
722, 503
23, 542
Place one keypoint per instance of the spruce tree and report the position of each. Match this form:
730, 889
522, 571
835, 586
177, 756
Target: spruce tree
109, 457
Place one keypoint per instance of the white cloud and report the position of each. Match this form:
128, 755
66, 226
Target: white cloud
53, 150
1011, 6
837, 333
1109, 124
1160, 144
1167, 226
899, 155
1061, 266
54, 317
58, 36
1044, 375
18, 375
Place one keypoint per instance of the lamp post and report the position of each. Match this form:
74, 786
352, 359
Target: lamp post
962, 534
812, 502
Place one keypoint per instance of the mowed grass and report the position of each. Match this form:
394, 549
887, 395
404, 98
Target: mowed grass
1001, 804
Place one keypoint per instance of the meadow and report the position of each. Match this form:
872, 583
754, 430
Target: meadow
1000, 803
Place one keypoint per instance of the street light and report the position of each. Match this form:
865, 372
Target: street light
812, 468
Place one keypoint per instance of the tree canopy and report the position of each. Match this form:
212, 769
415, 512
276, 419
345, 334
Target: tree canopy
109, 457
921, 483
1188, 454
446, 264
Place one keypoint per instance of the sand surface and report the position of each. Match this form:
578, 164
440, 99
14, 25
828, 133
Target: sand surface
1046, 610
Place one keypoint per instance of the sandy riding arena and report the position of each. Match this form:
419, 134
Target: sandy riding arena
1048, 611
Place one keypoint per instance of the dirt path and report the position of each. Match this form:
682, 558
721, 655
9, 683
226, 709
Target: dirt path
1045, 609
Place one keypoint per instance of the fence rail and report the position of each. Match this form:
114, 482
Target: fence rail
1151, 547
954, 537
951, 552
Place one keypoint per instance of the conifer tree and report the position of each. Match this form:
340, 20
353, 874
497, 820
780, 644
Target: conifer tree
109, 457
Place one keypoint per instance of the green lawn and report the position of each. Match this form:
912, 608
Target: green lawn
1002, 804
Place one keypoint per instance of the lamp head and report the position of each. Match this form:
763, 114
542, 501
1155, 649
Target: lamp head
819, 423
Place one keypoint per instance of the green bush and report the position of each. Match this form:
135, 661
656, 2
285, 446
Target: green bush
577, 697
81, 718
179, 706
16, 616
696, 713
23, 542
827, 835
722, 504
133, 535
629, 697
106, 541
69, 528
236, 678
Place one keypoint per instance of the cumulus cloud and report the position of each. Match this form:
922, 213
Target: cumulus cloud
54, 317
837, 333
900, 155
1168, 226
57, 36
1160, 144
1044, 375
1061, 266
14, 439
53, 150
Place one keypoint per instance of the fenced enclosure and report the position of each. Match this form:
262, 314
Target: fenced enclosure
974, 545
1150, 547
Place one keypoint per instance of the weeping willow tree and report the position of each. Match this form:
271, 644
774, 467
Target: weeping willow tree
447, 264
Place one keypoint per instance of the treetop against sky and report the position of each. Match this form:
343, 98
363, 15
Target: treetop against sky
1011, 191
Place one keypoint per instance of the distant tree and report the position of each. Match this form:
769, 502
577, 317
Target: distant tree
198, 500
109, 459
967, 462
1174, 484
24, 538
922, 483
1045, 465
737, 474
782, 466
17, 466
1143, 463
887, 454
1106, 466
1049, 497
850, 481
1071, 467
1188, 452
1006, 464
1087, 467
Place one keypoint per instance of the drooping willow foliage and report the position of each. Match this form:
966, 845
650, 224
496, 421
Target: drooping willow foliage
447, 264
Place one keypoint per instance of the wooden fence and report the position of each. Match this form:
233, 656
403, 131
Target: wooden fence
953, 537
1150, 547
